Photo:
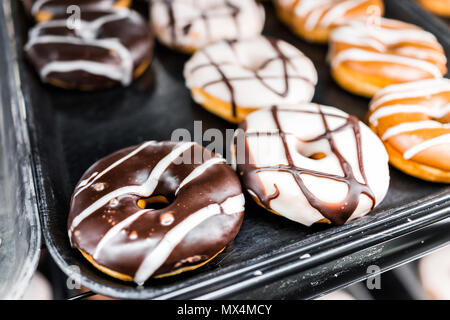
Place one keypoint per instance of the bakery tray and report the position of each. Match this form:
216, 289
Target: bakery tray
70, 130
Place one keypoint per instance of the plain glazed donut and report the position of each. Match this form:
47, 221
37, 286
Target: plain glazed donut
43, 10
311, 163
367, 56
188, 25
233, 78
434, 273
313, 20
109, 48
413, 120
117, 222
439, 7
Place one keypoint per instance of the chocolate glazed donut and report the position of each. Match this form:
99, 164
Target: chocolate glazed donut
107, 48
154, 210
43, 10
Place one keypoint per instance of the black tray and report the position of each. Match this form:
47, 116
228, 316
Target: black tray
71, 130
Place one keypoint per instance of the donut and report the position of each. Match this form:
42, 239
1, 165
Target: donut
439, 7
413, 121
233, 78
311, 163
367, 56
43, 10
155, 210
108, 48
187, 25
313, 20
434, 274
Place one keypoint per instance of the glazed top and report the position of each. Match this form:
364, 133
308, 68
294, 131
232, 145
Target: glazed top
413, 53
415, 118
252, 73
195, 23
278, 169
106, 44
204, 213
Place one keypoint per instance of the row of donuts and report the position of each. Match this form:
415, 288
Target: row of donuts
326, 165
307, 162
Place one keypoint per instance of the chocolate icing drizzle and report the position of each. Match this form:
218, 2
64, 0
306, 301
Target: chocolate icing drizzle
205, 16
204, 212
228, 82
337, 213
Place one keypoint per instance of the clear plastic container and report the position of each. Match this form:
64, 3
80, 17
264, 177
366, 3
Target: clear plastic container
20, 236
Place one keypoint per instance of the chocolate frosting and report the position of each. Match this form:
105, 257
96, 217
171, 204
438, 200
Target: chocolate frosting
108, 47
106, 222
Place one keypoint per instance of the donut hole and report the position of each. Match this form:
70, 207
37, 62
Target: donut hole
155, 202
317, 156
314, 151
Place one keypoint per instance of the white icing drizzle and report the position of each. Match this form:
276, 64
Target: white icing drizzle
359, 32
415, 89
154, 260
411, 152
87, 33
436, 113
425, 89
412, 126
84, 184
364, 55
199, 171
111, 233
144, 190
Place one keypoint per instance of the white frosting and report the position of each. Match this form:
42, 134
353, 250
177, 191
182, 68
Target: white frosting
239, 62
390, 33
154, 260
434, 271
424, 89
87, 37
199, 22
268, 151
323, 13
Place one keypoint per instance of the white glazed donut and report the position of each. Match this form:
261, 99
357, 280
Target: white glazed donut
434, 271
188, 25
234, 78
311, 163
368, 55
